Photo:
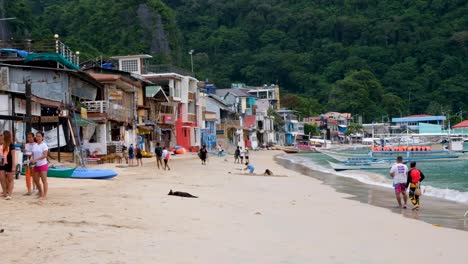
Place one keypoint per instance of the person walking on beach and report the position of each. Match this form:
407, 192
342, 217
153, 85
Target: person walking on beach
415, 177
166, 155
159, 154
7, 168
29, 147
249, 167
399, 173
131, 155
237, 155
125, 153
203, 154
242, 154
220, 150
39, 158
139, 156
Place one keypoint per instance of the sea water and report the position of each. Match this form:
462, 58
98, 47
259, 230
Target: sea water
446, 179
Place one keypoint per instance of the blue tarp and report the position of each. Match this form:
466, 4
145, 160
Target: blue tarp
21, 53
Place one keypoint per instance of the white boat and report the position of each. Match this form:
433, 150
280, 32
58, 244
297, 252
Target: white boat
408, 155
369, 165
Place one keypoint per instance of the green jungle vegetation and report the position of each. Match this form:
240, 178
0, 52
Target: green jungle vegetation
373, 58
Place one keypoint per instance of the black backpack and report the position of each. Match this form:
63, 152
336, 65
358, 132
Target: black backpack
158, 151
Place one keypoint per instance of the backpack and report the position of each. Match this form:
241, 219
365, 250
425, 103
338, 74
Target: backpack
158, 151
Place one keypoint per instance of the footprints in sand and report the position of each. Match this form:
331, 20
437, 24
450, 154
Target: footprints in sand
84, 223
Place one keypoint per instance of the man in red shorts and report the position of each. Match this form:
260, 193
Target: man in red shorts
399, 172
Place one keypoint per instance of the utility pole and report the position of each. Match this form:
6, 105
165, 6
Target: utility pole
28, 93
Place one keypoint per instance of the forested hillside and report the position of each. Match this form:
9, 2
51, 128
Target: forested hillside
367, 57
100, 27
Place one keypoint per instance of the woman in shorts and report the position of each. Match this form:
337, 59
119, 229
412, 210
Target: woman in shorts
8, 166
39, 158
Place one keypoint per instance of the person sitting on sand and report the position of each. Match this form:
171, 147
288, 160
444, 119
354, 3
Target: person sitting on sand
249, 167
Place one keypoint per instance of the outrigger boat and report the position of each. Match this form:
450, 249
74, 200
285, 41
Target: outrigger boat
360, 164
408, 155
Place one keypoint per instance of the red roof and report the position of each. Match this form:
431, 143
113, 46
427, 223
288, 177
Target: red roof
331, 121
461, 125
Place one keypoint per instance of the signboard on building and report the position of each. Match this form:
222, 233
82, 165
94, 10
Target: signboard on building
20, 107
45, 119
219, 131
84, 113
167, 119
115, 94
4, 78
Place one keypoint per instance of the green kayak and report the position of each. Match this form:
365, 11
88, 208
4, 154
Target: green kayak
60, 172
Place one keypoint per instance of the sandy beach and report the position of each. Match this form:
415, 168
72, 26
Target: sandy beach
236, 219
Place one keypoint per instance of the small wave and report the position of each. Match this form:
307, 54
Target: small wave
377, 179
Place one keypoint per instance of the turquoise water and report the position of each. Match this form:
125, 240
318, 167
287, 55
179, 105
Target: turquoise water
444, 179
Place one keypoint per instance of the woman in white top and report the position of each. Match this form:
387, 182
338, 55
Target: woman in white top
39, 158
28, 171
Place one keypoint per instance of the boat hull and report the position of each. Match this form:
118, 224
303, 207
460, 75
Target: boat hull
93, 174
60, 172
359, 166
392, 155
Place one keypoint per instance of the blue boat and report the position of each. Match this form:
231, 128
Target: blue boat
83, 173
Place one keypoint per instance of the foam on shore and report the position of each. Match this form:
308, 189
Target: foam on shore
377, 190
376, 179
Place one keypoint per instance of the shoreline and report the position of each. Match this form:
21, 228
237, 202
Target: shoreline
435, 211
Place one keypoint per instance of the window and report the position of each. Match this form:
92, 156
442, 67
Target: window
129, 65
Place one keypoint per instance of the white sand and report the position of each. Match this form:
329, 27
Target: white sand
237, 219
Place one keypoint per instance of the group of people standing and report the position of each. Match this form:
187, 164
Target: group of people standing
133, 152
36, 151
404, 178
240, 154
162, 154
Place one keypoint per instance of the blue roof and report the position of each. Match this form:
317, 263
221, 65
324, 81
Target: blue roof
418, 119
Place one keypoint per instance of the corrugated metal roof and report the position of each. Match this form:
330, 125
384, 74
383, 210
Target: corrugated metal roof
418, 119
235, 91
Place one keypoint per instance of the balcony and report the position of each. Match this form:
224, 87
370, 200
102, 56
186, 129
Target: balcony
38, 46
231, 122
166, 68
192, 118
191, 96
109, 110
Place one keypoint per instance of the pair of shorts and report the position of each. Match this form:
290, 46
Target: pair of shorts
41, 168
400, 188
7, 168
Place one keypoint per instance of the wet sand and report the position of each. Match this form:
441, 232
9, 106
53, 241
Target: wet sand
433, 210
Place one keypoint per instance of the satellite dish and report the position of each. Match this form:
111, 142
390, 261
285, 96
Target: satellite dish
201, 84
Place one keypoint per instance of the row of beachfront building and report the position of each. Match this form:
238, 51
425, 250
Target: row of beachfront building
103, 106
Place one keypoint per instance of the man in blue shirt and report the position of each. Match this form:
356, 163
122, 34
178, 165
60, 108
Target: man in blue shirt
249, 167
